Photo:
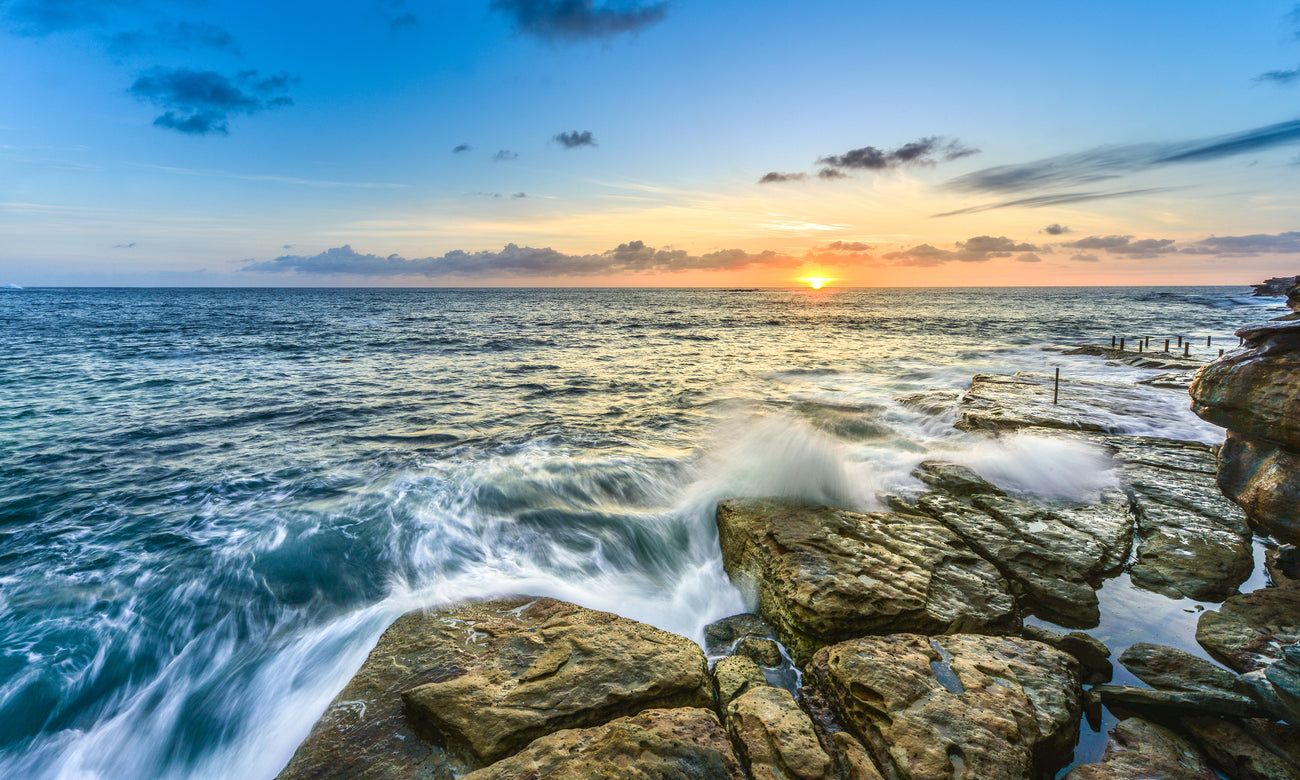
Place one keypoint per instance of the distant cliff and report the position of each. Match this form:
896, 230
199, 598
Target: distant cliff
1277, 286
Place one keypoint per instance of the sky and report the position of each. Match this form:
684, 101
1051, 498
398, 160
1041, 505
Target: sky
647, 143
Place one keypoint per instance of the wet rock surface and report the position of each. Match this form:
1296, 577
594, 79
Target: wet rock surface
1000, 402
733, 676
962, 705
1166, 703
774, 738
1093, 656
1249, 631
1141, 749
1171, 669
1252, 392
681, 744
823, 574
1234, 750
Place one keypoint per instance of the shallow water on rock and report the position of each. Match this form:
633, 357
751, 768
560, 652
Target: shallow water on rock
213, 501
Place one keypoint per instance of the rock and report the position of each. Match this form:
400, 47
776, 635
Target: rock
682, 744
1278, 285
932, 402
1236, 752
1262, 691
998, 403
1043, 552
1283, 563
774, 738
1163, 704
953, 480
1253, 393
1191, 541
720, 638
1089, 651
823, 574
1284, 676
1140, 749
1175, 380
733, 676
963, 705
763, 652
1170, 669
522, 670
1281, 739
1249, 630
1261, 478
1145, 358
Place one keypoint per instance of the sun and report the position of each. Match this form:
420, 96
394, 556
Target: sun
816, 282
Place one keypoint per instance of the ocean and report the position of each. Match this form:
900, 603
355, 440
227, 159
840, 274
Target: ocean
212, 502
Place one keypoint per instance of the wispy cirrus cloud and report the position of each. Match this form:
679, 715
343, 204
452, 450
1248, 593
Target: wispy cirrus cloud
1058, 199
202, 102
43, 17
175, 36
513, 260
576, 20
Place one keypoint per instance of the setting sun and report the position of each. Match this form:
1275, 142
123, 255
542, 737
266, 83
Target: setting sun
816, 282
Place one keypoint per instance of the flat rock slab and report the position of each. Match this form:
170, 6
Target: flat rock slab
1235, 750
954, 706
1141, 749
1167, 703
1049, 555
824, 574
1146, 358
489, 677
1171, 669
1250, 629
523, 670
661, 744
1001, 402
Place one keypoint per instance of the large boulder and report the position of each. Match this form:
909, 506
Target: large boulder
1254, 392
774, 738
1237, 752
672, 744
954, 706
822, 575
1141, 749
485, 679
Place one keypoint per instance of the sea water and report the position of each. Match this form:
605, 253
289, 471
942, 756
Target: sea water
212, 502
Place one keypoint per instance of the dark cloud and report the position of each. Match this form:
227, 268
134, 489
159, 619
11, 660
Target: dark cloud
1028, 257
179, 36
574, 139
575, 20
776, 176
461, 148
1124, 245
43, 17
397, 14
1280, 76
201, 102
504, 155
1114, 161
513, 260
1039, 201
847, 246
1055, 229
925, 151
830, 173
520, 195
1241, 246
979, 249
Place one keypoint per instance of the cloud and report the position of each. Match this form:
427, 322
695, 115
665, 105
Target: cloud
1028, 257
831, 173
1085, 258
1112, 162
179, 36
576, 20
574, 139
397, 14
1039, 201
512, 260
461, 148
1280, 76
777, 177
43, 17
1055, 229
847, 246
1240, 246
124, 246
1124, 245
201, 102
979, 249
504, 155
520, 195
925, 151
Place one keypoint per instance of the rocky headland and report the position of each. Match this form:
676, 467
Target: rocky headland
907, 642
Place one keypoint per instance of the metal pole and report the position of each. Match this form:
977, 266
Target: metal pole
1056, 389
1121, 344
1186, 347
1207, 340
1166, 345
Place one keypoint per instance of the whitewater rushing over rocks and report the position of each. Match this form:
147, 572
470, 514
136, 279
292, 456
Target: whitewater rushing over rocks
214, 502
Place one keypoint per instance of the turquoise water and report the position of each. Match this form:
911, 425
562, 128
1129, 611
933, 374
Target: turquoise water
213, 501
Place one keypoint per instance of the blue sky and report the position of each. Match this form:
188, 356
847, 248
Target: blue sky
193, 142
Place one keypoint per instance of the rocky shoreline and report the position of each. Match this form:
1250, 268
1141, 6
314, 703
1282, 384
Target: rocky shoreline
894, 644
